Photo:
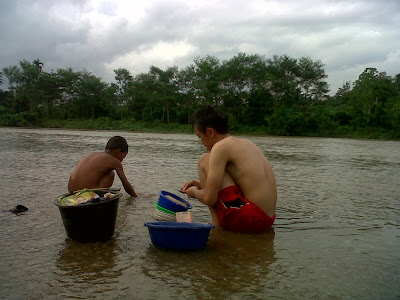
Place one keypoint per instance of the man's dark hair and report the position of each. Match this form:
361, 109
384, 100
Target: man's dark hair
117, 142
209, 116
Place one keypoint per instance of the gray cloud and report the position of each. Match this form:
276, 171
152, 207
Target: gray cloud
347, 36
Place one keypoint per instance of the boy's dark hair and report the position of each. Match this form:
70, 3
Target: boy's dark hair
117, 142
209, 116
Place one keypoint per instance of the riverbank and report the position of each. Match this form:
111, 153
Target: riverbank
124, 125
160, 127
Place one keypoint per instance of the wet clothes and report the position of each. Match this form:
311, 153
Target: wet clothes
236, 213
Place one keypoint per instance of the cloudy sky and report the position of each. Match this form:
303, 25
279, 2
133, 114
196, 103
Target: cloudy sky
100, 36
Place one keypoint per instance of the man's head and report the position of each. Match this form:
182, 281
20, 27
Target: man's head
210, 117
117, 142
210, 125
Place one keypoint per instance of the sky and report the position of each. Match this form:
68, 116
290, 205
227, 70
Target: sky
101, 36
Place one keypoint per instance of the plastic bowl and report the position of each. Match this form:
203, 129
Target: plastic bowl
175, 204
164, 216
179, 235
164, 209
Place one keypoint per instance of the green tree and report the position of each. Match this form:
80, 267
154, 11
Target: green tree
344, 90
237, 82
208, 78
285, 95
69, 86
311, 80
296, 81
165, 89
30, 76
12, 73
38, 64
23, 83
369, 97
187, 93
283, 73
49, 87
124, 81
142, 95
91, 93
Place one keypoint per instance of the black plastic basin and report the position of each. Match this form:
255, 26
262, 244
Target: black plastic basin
90, 222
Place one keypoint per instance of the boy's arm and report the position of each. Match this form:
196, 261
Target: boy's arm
127, 186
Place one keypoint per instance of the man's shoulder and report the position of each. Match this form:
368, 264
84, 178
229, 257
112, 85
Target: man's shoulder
227, 145
234, 147
231, 141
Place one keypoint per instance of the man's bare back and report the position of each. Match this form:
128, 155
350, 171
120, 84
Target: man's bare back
234, 161
249, 169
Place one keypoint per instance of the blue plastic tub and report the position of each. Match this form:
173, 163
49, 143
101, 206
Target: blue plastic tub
176, 205
179, 235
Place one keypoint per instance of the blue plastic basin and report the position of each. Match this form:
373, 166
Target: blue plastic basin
179, 235
166, 203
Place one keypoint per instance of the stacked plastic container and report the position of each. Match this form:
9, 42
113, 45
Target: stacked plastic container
168, 206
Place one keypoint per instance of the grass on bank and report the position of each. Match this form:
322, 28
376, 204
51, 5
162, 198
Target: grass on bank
105, 123
125, 125
160, 127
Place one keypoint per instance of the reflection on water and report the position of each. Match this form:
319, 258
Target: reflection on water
232, 263
336, 234
88, 262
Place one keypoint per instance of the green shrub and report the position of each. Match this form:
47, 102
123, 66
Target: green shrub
8, 119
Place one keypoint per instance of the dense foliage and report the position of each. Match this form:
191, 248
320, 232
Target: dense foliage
279, 95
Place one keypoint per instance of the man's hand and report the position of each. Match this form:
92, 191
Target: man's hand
191, 191
191, 183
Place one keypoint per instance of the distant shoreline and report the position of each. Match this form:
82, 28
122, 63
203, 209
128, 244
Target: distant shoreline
158, 127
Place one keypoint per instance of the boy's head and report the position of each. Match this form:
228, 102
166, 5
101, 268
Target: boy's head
117, 142
209, 116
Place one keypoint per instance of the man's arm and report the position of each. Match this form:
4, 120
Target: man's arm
190, 184
202, 170
216, 169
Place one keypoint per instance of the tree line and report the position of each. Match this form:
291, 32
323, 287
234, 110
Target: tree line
279, 96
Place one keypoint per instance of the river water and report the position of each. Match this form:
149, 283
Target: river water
337, 233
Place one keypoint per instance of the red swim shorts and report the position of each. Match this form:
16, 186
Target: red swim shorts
235, 213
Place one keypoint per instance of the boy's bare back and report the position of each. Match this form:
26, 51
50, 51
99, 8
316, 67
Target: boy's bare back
95, 170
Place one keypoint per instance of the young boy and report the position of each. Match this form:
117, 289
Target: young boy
236, 180
96, 170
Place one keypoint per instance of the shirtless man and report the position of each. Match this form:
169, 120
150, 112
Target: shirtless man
236, 180
96, 170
